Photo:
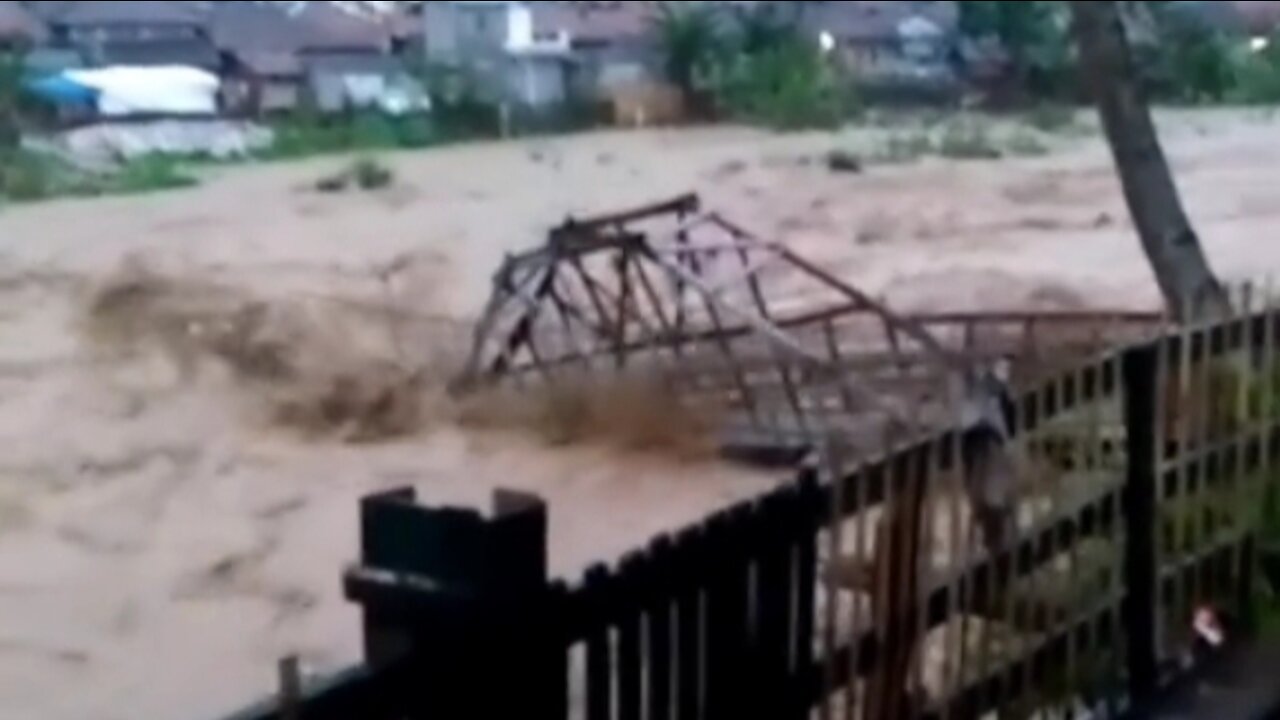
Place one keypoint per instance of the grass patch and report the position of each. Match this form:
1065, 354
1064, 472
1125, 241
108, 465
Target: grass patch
28, 176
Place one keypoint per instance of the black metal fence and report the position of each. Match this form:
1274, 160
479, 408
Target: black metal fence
840, 595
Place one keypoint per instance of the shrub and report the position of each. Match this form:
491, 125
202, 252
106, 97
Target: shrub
968, 140
786, 87
1257, 76
1026, 143
24, 176
27, 176
1052, 117
149, 174
369, 174
905, 148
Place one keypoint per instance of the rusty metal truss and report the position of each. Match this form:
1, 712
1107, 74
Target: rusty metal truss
794, 353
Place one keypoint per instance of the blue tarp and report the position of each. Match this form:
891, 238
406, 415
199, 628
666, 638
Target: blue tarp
60, 90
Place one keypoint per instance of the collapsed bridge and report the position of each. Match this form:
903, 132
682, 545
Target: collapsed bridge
788, 352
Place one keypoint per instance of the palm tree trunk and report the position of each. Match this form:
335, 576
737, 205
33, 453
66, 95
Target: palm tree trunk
1188, 284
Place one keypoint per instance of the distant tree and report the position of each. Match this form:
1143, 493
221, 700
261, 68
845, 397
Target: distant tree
1189, 60
10, 89
1033, 33
1190, 288
766, 26
692, 41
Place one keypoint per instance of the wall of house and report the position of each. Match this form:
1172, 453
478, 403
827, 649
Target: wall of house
605, 68
537, 82
279, 95
458, 33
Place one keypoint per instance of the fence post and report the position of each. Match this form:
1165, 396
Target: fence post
1141, 385
458, 607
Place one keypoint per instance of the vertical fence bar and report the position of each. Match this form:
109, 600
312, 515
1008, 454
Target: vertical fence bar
859, 592
1140, 368
660, 661
600, 667
726, 617
833, 460
1016, 612
1206, 473
689, 614
1233, 506
773, 609
961, 539
633, 577
1111, 636
808, 522
1185, 417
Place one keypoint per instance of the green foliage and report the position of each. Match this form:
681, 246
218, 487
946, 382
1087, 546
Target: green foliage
148, 174
1257, 75
369, 174
693, 43
10, 95
1034, 34
1190, 61
766, 72
28, 176
787, 86
24, 177
1025, 143
1049, 117
968, 140
306, 133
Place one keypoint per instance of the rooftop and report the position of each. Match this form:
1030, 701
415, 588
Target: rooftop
98, 12
17, 23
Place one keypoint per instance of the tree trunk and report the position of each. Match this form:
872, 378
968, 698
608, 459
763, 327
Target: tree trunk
1189, 286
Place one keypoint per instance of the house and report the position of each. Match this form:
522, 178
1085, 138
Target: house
614, 44
19, 27
262, 47
279, 55
890, 46
498, 48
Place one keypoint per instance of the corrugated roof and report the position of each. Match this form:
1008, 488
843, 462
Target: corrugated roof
101, 12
